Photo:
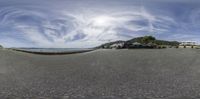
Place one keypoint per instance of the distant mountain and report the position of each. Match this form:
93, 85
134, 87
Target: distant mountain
146, 40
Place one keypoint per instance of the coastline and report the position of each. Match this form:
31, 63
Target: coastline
53, 53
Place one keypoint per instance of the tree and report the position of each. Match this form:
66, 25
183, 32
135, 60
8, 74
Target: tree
148, 39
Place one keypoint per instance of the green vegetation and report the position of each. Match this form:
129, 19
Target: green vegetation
151, 39
162, 42
146, 40
142, 40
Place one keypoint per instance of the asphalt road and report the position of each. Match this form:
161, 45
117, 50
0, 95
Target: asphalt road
101, 74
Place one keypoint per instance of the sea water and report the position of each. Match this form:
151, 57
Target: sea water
52, 50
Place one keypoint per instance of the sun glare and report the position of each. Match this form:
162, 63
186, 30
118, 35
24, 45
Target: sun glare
102, 21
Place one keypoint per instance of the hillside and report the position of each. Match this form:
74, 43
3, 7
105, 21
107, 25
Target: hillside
150, 39
142, 40
106, 45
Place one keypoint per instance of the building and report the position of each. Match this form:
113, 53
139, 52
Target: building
137, 45
190, 44
117, 45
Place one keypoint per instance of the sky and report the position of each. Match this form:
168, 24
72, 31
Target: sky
89, 23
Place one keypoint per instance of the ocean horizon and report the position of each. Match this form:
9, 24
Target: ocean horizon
52, 50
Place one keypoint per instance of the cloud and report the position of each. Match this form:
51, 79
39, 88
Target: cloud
79, 30
54, 26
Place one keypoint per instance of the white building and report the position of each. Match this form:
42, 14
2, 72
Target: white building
117, 45
188, 43
136, 43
